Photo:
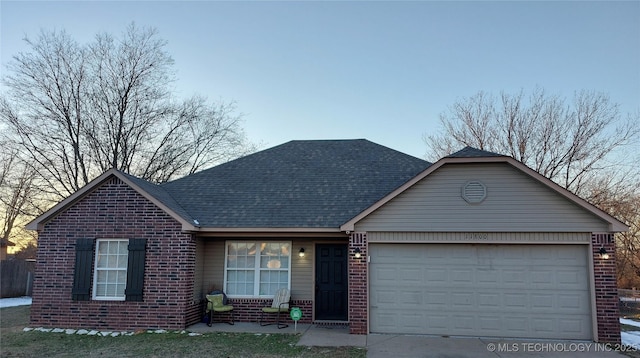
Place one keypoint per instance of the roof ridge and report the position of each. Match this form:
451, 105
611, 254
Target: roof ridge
470, 151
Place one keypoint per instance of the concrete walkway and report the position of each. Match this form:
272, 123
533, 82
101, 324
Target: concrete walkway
312, 335
331, 336
415, 346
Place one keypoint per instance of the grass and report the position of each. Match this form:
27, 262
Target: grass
16, 343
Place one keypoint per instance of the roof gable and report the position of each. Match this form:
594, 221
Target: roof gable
152, 192
471, 155
510, 201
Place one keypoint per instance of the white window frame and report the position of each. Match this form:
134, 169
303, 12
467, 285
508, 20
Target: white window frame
97, 269
257, 269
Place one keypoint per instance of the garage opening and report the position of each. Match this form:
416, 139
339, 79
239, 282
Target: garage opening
505, 290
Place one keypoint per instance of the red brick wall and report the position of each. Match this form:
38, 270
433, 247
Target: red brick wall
607, 309
114, 210
358, 290
249, 309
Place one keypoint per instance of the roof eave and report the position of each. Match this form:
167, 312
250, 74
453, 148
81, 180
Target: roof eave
272, 232
268, 229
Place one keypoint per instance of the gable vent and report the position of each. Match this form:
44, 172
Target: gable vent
474, 192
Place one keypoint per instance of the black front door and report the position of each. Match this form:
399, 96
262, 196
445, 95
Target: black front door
331, 282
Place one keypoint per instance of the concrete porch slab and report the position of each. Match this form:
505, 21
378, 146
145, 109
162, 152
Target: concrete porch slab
331, 336
247, 327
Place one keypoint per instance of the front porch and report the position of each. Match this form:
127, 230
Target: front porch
315, 269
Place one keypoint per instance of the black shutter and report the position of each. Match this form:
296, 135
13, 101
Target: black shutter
84, 266
135, 270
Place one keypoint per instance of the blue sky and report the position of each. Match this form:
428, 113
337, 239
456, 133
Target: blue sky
377, 70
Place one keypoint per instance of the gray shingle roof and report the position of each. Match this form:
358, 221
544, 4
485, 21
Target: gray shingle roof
314, 184
471, 152
161, 195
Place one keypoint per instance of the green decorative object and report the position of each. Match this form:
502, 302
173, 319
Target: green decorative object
295, 313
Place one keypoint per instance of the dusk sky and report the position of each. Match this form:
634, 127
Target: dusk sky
383, 71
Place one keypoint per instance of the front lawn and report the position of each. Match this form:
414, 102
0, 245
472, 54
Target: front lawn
16, 343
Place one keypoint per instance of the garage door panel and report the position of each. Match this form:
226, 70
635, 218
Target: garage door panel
409, 298
462, 323
435, 276
543, 325
480, 290
571, 278
462, 276
542, 302
542, 278
489, 324
411, 275
436, 299
488, 300
574, 326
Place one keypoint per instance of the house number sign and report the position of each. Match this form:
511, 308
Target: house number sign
476, 236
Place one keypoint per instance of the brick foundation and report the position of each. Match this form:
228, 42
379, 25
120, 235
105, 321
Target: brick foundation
249, 310
606, 289
358, 285
115, 210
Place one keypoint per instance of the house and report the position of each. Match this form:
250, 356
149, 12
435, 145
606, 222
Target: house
4, 246
476, 244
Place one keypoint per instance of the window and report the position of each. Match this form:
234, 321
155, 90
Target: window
110, 278
255, 269
114, 271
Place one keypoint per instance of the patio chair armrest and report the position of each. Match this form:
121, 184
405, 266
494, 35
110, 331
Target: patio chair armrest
288, 303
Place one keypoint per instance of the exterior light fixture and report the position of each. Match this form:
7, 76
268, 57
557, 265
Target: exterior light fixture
603, 253
301, 252
357, 253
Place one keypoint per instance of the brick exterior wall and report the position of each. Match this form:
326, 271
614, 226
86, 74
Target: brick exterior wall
115, 210
606, 289
358, 285
249, 310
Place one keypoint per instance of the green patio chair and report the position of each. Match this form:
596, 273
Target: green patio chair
280, 304
214, 304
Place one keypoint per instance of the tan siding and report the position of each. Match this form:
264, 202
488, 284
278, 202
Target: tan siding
213, 265
302, 271
198, 290
488, 238
514, 202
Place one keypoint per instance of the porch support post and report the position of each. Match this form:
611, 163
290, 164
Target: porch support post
358, 284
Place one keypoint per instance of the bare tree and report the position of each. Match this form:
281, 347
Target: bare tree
565, 141
44, 109
621, 199
77, 110
17, 194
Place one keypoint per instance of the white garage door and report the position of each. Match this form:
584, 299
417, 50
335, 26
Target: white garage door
532, 291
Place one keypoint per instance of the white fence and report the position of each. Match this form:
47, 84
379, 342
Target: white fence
629, 295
